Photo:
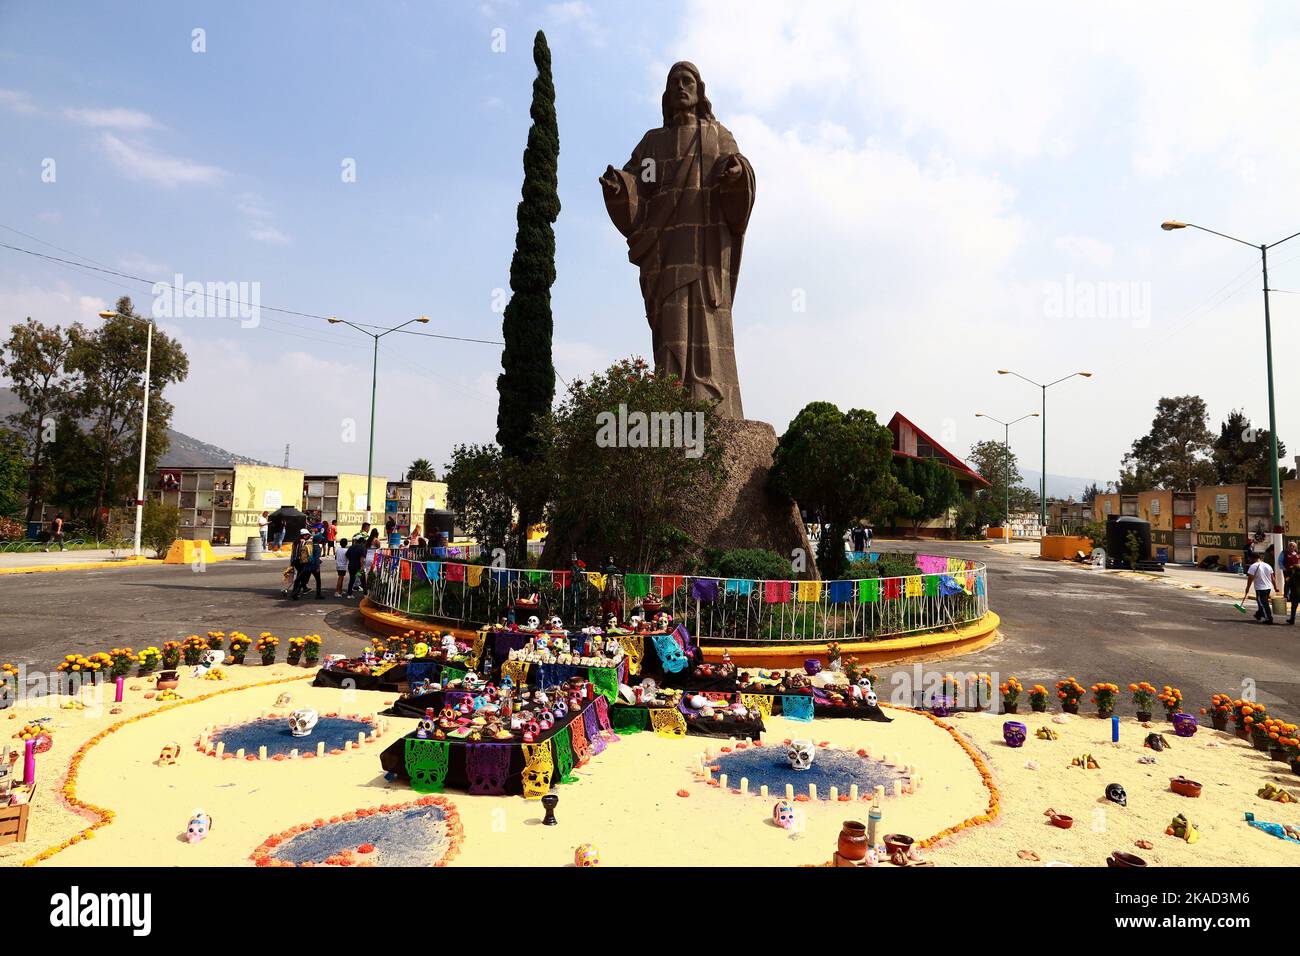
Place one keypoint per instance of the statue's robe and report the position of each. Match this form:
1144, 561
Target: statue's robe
685, 229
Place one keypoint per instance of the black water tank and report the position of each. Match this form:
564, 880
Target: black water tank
1118, 528
438, 521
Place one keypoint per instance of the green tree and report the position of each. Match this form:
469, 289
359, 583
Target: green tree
989, 459
478, 493
527, 384
933, 489
632, 491
109, 396
1175, 453
420, 470
13, 473
34, 359
159, 526
836, 465
1242, 453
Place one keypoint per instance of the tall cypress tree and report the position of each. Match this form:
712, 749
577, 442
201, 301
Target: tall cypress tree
527, 383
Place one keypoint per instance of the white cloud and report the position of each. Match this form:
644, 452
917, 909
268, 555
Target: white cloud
261, 227
575, 13
1093, 252
118, 118
19, 102
148, 165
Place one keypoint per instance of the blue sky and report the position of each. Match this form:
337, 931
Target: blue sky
950, 190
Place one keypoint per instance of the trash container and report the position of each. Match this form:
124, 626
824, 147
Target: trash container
1118, 529
253, 549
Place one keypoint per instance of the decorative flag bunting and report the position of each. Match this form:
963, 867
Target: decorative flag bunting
668, 583
931, 585
455, 572
431, 569
596, 580
636, 585
841, 592
893, 588
743, 588
797, 707
776, 592
474, 574
704, 590
535, 576
810, 591
562, 578
426, 764
869, 590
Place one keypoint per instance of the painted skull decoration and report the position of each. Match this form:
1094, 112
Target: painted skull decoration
800, 754
199, 826
1115, 794
302, 722
785, 815
170, 754
1013, 732
211, 658
534, 622
586, 855
425, 729
556, 624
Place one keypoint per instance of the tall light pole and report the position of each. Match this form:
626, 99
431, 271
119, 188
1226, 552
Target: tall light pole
1276, 537
144, 422
1042, 487
1006, 447
374, 379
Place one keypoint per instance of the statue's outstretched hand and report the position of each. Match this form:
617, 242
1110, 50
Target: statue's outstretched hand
733, 168
610, 180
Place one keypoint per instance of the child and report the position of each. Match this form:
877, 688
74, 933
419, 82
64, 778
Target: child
341, 565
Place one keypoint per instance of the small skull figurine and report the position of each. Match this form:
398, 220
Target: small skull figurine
301, 722
426, 727
199, 826
212, 658
170, 754
586, 855
785, 815
800, 754
534, 622
1013, 732
449, 644
1115, 794
870, 696
556, 624
284, 700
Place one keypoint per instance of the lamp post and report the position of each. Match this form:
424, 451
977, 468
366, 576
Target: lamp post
144, 423
1006, 447
1276, 537
374, 379
1042, 487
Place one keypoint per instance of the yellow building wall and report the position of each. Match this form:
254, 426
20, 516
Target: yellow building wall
1220, 534
1099, 512
426, 494
352, 502
1291, 506
261, 488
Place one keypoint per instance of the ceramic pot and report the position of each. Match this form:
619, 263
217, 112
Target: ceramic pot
1144, 715
1070, 708
1105, 713
1261, 743
812, 666
1219, 721
1011, 708
1278, 754
168, 680
1243, 732
1184, 787
853, 841
897, 842
1061, 820
1118, 858
1038, 708
1185, 725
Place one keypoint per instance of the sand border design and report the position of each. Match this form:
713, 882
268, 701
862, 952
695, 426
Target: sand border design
69, 788
261, 855
376, 731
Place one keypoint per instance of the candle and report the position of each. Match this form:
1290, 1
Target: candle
812, 791
361, 738
121, 686
835, 793
293, 754
880, 792
853, 791
239, 754
744, 786
789, 791
29, 762
320, 748
722, 781
1114, 729
762, 791
261, 752
221, 748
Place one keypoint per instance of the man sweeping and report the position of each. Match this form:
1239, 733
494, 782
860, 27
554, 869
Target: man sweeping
1260, 575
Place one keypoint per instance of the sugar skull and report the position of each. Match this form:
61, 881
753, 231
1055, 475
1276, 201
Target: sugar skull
1185, 725
449, 644
284, 700
586, 855
301, 722
812, 666
800, 754
533, 623
199, 826
211, 658
556, 624
171, 753
426, 726
1115, 794
421, 649
1013, 732
785, 815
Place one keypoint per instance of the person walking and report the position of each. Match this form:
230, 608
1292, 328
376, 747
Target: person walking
56, 533
280, 529
340, 565
307, 559
356, 553
1260, 574
263, 522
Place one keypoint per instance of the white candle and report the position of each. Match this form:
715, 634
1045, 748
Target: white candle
221, 748
239, 754
722, 781
744, 786
898, 788
261, 752
361, 738
853, 791
880, 791
789, 791
835, 793
812, 791
293, 754
762, 791
320, 748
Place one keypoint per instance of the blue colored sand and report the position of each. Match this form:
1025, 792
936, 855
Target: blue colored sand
274, 735
830, 768
415, 836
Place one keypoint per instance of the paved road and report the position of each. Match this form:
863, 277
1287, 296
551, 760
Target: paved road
1057, 620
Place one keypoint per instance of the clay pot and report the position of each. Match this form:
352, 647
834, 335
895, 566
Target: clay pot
168, 680
1105, 713
1184, 787
1219, 721
1261, 743
1038, 708
853, 841
1060, 820
1279, 755
1144, 715
898, 843
1011, 708
1118, 858
1070, 708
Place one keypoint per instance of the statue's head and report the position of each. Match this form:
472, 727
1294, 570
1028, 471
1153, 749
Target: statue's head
685, 91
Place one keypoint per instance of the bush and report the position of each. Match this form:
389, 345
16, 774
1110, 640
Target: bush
897, 564
1096, 532
159, 526
11, 530
749, 563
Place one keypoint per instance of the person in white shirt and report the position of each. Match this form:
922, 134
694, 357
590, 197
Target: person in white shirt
1260, 574
262, 521
341, 565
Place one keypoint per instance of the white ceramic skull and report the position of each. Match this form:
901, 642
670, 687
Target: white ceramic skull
302, 722
534, 622
871, 698
556, 624
199, 825
449, 644
800, 754
211, 658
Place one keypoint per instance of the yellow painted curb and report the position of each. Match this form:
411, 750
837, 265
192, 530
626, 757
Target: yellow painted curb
131, 562
935, 643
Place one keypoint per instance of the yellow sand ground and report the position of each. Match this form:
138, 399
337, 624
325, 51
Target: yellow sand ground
625, 801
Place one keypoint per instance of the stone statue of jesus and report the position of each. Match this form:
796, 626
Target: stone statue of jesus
683, 202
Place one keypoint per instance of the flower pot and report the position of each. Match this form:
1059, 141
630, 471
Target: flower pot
1010, 708
1105, 713
1038, 707
1243, 732
237, 658
1118, 858
292, 658
1261, 743
897, 842
853, 841
268, 660
1144, 715
1219, 721
1070, 708
1184, 787
1278, 754
168, 680
1295, 765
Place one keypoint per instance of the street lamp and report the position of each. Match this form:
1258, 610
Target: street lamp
1042, 488
1276, 537
1006, 446
374, 378
144, 422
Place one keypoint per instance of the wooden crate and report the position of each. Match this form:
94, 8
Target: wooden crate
13, 824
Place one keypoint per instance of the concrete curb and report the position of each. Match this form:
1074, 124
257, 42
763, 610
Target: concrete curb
131, 562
